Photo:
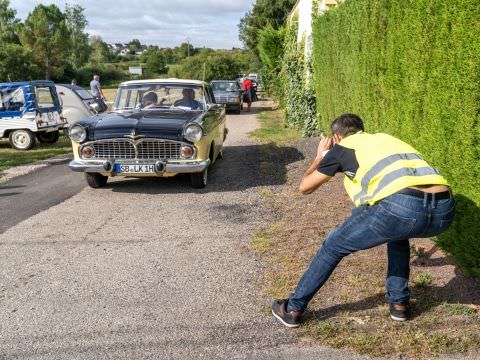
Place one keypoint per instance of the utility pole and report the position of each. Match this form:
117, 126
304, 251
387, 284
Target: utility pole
188, 47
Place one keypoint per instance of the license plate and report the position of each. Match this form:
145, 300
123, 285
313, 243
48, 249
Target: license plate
134, 169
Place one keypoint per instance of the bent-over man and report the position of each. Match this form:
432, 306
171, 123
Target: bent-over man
398, 196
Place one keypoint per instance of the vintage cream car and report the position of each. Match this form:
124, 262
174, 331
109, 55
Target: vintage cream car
157, 128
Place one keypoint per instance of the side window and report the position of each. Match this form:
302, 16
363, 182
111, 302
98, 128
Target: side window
44, 97
12, 100
212, 97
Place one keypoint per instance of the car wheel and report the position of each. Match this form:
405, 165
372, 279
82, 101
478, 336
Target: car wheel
95, 180
238, 111
199, 180
22, 139
241, 107
48, 137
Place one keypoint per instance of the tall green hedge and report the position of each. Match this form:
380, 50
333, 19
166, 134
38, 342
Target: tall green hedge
411, 68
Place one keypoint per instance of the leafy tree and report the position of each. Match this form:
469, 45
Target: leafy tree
219, 64
184, 50
271, 49
134, 45
8, 24
264, 12
99, 51
76, 24
16, 63
45, 33
155, 61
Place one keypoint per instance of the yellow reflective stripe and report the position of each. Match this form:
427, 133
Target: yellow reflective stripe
363, 198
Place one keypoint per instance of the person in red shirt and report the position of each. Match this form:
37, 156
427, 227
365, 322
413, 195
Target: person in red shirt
248, 87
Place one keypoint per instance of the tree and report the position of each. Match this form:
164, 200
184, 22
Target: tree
76, 24
264, 12
271, 51
16, 63
219, 64
9, 24
184, 50
99, 51
134, 46
45, 33
155, 61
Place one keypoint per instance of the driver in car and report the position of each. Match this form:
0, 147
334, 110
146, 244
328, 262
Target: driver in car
149, 100
189, 100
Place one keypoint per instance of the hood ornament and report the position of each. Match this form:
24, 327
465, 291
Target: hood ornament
133, 135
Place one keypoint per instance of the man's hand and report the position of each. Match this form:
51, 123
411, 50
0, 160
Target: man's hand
312, 179
326, 143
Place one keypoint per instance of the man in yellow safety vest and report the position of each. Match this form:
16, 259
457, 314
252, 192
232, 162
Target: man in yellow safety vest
398, 196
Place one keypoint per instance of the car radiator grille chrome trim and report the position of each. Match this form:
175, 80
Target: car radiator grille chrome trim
144, 149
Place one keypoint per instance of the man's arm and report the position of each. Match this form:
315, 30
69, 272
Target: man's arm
312, 179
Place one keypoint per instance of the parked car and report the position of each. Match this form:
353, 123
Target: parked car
158, 128
29, 111
228, 92
78, 103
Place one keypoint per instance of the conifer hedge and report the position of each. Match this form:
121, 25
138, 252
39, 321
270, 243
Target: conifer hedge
411, 68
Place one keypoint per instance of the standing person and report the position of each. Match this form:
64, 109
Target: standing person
398, 196
96, 88
248, 88
74, 82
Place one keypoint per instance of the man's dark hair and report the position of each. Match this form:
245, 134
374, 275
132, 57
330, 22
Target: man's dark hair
151, 96
347, 124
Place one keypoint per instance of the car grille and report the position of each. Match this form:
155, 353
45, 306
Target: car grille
221, 99
142, 150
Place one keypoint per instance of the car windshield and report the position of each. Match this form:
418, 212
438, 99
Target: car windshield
84, 94
160, 96
225, 86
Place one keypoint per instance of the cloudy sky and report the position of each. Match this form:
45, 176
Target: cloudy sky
210, 23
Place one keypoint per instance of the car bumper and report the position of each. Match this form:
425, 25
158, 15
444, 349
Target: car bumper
186, 167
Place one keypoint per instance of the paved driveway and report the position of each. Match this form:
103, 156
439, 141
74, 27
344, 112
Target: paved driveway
146, 269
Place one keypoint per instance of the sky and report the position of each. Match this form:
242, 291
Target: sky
167, 23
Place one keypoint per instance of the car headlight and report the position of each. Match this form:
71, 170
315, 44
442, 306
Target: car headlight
193, 133
78, 133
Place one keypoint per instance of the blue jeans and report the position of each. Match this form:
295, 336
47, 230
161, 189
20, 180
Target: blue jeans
394, 220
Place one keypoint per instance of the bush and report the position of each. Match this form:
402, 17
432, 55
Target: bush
297, 91
411, 68
109, 74
217, 65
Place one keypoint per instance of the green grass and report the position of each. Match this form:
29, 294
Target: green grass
272, 128
423, 279
10, 157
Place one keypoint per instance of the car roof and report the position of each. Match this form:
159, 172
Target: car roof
25, 83
164, 81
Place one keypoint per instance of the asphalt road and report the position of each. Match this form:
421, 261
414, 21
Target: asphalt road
142, 269
30, 194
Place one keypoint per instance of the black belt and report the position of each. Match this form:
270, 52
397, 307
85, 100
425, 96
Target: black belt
421, 194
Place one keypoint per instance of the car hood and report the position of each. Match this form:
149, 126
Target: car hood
153, 124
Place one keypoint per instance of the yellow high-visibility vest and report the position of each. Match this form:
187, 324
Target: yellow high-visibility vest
386, 166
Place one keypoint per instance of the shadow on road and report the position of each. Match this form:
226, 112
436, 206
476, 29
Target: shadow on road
242, 167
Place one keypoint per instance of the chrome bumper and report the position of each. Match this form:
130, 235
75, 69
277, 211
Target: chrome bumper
162, 167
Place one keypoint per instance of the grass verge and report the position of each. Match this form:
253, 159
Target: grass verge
10, 157
272, 128
350, 310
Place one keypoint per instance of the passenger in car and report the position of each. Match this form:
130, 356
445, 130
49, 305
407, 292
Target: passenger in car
188, 100
149, 100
